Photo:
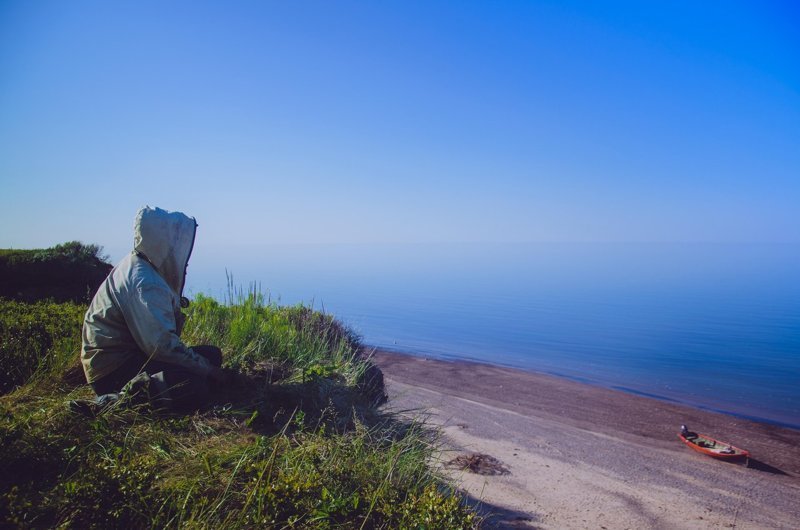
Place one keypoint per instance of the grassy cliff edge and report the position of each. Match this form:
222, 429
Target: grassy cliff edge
300, 443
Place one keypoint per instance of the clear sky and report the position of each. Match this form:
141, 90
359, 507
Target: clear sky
401, 121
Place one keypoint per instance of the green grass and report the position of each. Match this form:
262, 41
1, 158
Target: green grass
39, 339
300, 444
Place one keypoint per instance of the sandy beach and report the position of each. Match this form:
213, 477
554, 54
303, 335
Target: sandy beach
573, 455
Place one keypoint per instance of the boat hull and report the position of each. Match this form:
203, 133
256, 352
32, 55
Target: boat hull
714, 448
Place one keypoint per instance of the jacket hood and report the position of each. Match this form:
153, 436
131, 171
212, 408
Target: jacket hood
166, 240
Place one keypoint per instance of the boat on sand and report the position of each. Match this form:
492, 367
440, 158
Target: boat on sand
709, 446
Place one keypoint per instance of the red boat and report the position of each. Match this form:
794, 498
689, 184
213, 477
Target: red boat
711, 447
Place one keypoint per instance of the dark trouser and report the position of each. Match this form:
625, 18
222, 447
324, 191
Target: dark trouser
185, 387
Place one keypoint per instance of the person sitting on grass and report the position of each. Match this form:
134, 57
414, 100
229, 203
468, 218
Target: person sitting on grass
131, 331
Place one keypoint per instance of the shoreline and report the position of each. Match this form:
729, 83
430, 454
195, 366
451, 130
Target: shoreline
580, 454
598, 384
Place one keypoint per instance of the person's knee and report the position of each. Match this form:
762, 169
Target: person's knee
186, 391
211, 353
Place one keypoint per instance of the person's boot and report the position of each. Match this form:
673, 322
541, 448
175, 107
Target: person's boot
146, 390
93, 407
159, 394
136, 392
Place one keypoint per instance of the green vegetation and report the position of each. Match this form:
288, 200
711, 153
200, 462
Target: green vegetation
299, 444
68, 272
38, 339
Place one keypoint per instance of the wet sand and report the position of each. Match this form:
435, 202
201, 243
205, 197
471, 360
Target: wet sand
582, 456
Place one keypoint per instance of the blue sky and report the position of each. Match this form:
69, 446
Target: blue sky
401, 122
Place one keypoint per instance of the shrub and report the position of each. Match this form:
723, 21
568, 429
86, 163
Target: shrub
69, 272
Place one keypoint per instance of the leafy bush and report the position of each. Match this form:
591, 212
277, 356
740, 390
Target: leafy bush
69, 272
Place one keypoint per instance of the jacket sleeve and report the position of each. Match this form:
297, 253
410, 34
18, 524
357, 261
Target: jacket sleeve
150, 316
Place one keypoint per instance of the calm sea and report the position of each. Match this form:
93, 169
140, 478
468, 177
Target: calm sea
711, 325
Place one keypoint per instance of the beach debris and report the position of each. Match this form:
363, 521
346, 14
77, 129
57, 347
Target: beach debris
479, 463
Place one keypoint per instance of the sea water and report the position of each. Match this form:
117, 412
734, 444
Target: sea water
715, 326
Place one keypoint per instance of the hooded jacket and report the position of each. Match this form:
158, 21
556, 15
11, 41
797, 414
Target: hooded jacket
137, 308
